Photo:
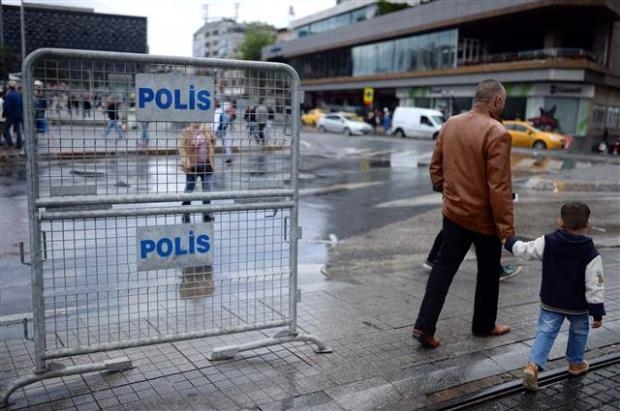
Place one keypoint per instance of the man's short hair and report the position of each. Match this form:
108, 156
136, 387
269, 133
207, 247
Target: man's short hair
575, 215
487, 90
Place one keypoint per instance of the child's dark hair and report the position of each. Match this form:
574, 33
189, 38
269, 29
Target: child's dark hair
575, 215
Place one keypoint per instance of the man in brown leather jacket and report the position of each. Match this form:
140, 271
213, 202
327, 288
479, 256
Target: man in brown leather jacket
471, 167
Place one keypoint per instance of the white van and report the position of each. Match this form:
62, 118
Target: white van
416, 122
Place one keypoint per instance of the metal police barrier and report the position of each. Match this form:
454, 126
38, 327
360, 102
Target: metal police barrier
120, 257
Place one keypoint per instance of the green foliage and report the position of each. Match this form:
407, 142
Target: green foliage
257, 35
385, 7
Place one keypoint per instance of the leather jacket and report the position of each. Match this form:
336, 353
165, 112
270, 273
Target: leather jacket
471, 167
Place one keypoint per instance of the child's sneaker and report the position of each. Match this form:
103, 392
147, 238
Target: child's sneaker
578, 369
530, 377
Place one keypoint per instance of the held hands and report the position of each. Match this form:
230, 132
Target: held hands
597, 323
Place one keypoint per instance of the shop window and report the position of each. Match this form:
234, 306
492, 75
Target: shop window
515, 108
564, 112
613, 117
424, 102
598, 117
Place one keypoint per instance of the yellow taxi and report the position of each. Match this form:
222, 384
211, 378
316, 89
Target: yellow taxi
312, 116
524, 134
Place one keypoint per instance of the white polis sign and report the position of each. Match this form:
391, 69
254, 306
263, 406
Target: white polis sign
174, 97
174, 246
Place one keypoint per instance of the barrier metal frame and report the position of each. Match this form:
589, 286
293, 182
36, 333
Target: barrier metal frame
37, 212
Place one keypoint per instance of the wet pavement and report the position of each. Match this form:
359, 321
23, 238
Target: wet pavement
360, 293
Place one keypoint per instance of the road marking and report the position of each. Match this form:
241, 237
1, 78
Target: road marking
429, 199
337, 187
410, 159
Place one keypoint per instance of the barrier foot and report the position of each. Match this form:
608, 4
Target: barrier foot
283, 337
58, 370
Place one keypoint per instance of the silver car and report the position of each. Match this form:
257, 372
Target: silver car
346, 123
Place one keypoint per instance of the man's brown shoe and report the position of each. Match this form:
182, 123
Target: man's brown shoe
578, 369
425, 339
530, 377
500, 330
497, 330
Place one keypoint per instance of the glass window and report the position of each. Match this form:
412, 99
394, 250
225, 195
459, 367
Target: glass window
358, 15
425, 121
424, 102
565, 113
420, 52
613, 117
439, 120
598, 117
520, 128
334, 22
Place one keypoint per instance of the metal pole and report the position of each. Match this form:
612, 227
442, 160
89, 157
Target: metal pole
1, 40
22, 28
295, 230
1, 27
36, 252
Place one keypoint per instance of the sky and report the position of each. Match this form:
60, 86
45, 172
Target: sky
172, 23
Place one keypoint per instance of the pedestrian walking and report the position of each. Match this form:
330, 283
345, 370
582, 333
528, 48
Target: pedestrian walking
262, 117
471, 167
2, 118
387, 120
505, 271
86, 106
111, 110
231, 111
197, 155
220, 125
14, 116
40, 104
144, 133
250, 117
572, 288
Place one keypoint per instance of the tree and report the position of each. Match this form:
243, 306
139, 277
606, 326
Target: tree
385, 7
257, 35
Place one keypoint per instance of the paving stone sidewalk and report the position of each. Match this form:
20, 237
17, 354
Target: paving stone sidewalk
375, 364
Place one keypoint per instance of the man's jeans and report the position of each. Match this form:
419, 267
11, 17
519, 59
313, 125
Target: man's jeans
113, 124
226, 142
549, 324
454, 246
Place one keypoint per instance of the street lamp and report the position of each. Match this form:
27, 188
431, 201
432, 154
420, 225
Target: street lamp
22, 29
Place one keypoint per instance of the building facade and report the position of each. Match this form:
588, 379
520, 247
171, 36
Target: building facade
218, 39
68, 27
557, 59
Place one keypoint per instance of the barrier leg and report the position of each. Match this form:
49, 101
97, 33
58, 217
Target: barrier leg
58, 370
282, 337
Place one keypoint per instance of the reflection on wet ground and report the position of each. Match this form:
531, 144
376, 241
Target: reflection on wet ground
196, 282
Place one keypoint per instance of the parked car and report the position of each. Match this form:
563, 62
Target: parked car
524, 134
416, 122
346, 123
312, 116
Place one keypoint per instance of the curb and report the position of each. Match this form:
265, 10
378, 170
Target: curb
546, 184
16, 155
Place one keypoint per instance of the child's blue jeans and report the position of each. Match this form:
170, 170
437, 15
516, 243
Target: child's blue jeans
549, 324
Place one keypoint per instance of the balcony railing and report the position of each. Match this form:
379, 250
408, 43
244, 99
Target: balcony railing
542, 54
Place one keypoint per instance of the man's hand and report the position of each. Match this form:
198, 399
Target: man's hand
597, 323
